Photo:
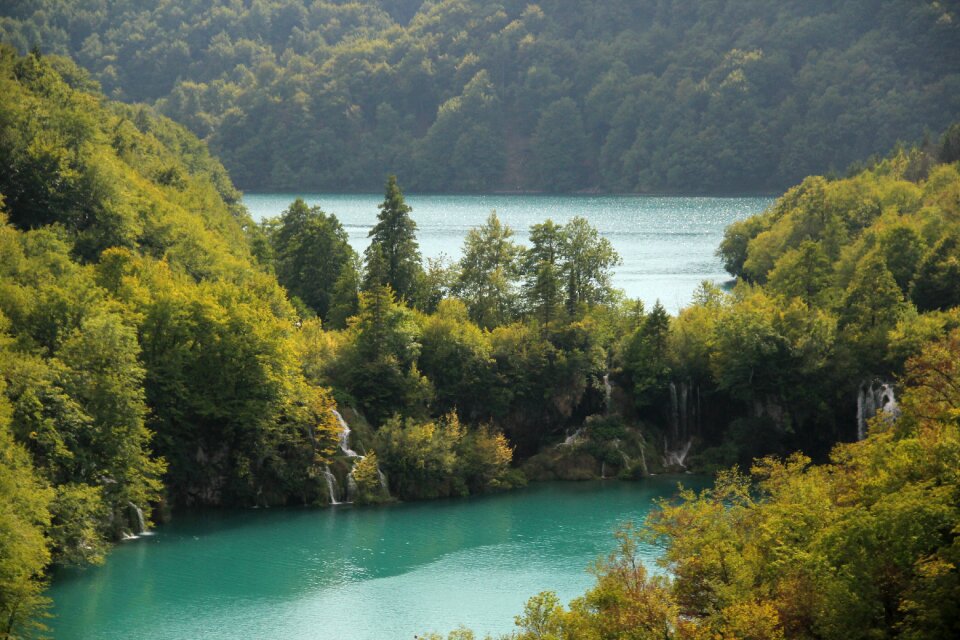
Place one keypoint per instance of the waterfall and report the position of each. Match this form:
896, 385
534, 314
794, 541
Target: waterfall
573, 438
607, 391
137, 512
677, 457
684, 423
674, 413
603, 470
345, 436
332, 488
874, 397
351, 487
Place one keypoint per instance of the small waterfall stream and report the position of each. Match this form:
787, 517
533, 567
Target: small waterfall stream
684, 422
874, 397
138, 521
333, 486
607, 392
345, 436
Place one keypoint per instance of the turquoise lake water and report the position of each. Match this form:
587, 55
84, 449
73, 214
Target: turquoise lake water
667, 243
346, 573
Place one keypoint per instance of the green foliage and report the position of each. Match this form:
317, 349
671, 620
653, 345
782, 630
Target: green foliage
441, 458
313, 260
393, 241
937, 284
645, 357
488, 271
560, 148
366, 476
24, 520
478, 96
145, 357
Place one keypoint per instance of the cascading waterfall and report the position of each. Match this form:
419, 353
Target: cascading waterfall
874, 397
332, 487
607, 391
674, 413
572, 439
345, 436
677, 457
139, 521
352, 488
684, 419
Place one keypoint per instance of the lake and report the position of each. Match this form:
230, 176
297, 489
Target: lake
346, 573
667, 243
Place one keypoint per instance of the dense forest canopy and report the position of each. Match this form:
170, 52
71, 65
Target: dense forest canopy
451, 95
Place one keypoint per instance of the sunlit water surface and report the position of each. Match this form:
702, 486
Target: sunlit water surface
347, 573
668, 244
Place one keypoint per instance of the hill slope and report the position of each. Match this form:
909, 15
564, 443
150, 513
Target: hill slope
619, 95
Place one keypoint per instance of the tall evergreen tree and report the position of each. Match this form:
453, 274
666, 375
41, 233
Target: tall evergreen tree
542, 267
395, 237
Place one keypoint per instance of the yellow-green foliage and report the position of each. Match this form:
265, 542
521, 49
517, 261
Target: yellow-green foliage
865, 546
442, 457
24, 519
144, 356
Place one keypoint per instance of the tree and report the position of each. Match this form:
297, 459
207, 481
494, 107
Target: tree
543, 271
312, 256
937, 283
24, 519
394, 236
903, 250
489, 269
560, 147
588, 264
803, 272
871, 307
645, 361
380, 370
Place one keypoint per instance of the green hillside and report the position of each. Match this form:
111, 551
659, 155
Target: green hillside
655, 95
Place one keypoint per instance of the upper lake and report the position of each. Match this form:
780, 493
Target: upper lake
345, 573
667, 243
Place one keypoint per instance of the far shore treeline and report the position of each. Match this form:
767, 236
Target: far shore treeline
159, 349
738, 96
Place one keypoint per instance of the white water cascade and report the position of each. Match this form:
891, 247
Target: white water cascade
572, 438
140, 525
352, 488
684, 422
345, 436
677, 457
874, 397
332, 487
607, 392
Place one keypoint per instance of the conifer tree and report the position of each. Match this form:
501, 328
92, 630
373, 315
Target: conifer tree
543, 278
394, 236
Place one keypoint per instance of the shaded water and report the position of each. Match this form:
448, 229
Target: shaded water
354, 573
667, 243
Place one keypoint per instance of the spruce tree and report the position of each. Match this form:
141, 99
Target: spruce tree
394, 236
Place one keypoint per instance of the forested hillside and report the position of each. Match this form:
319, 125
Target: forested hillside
451, 95
143, 357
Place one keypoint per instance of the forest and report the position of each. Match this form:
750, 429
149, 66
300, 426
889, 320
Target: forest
466, 96
160, 349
